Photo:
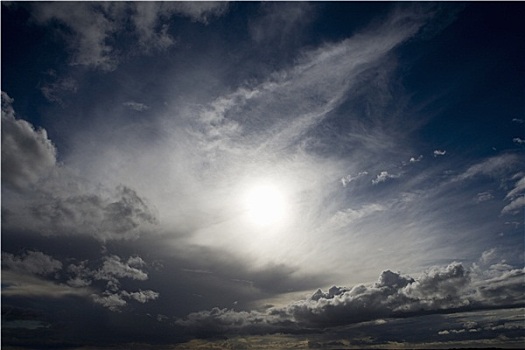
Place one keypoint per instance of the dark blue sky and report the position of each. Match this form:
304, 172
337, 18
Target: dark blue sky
281, 174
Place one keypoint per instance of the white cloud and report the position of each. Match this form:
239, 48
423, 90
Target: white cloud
518, 140
438, 152
142, 296
27, 154
517, 120
383, 176
416, 160
349, 178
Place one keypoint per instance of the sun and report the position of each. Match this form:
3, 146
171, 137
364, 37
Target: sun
265, 205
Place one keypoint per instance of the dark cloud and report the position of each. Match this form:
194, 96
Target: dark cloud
442, 289
31, 262
119, 215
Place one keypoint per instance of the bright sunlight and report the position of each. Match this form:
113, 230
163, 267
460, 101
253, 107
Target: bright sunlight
265, 205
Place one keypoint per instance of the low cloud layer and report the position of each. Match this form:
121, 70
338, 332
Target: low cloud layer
445, 289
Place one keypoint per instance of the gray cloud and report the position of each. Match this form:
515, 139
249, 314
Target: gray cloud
441, 289
31, 262
27, 154
105, 217
55, 90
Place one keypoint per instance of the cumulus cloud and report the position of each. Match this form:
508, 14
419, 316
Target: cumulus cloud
383, 176
440, 289
137, 106
438, 152
27, 153
114, 268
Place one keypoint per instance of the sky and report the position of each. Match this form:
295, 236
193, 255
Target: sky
196, 175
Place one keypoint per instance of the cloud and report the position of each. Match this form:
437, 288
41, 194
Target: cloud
114, 268
116, 301
31, 262
349, 178
15, 284
280, 24
484, 196
494, 167
441, 289
438, 152
119, 215
518, 140
516, 196
92, 28
137, 106
27, 154
53, 91
383, 176
416, 160
517, 120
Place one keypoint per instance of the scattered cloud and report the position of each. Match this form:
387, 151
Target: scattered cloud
349, 178
517, 120
383, 176
416, 160
518, 140
438, 152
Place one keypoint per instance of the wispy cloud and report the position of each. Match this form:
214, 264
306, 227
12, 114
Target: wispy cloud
137, 106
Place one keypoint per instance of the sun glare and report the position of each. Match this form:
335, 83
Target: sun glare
265, 205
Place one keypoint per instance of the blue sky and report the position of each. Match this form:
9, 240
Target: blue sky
281, 174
